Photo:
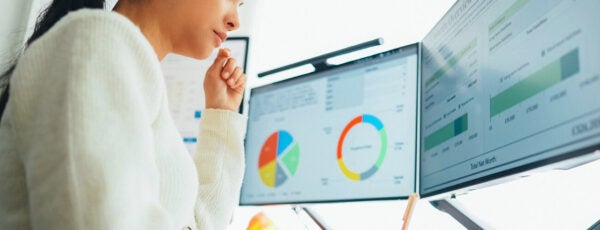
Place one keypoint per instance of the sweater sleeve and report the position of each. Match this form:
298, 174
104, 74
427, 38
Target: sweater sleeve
83, 124
220, 162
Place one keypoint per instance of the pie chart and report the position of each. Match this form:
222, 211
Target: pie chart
278, 160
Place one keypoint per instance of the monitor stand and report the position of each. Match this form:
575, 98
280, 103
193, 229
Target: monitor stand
443, 205
452, 207
454, 211
299, 209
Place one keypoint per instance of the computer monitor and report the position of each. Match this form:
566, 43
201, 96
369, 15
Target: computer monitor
346, 133
508, 87
184, 78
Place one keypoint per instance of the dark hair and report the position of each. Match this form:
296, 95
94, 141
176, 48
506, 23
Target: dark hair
57, 10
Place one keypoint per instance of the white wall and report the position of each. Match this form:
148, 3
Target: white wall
287, 31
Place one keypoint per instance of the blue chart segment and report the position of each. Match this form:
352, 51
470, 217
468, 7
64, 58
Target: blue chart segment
285, 139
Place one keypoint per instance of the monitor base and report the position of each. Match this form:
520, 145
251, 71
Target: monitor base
316, 219
444, 205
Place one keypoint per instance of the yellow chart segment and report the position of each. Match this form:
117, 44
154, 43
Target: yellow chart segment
267, 173
347, 172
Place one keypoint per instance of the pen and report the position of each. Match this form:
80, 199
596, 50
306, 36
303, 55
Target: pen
412, 200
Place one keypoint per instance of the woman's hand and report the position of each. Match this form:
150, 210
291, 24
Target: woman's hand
224, 83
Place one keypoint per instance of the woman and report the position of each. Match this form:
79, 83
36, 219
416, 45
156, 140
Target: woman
86, 139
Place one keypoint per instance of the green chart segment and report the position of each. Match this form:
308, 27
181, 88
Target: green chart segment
449, 131
550, 75
514, 8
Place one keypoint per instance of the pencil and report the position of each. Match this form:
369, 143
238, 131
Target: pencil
412, 200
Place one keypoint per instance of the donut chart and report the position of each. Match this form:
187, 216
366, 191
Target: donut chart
278, 160
378, 125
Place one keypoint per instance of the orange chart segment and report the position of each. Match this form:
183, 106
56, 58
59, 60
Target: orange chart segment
349, 126
268, 152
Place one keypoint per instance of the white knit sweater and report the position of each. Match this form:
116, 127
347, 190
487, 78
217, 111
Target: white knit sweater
87, 141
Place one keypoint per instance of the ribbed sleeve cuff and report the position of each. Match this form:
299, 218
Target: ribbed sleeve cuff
233, 124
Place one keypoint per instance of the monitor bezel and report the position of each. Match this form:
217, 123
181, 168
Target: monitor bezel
383, 54
562, 161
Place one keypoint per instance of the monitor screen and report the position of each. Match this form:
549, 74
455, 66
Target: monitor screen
345, 133
184, 78
508, 86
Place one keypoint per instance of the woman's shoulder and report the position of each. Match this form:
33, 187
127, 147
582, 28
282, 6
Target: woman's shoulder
90, 47
94, 17
89, 36
89, 31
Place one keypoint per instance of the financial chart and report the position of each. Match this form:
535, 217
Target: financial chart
505, 84
341, 134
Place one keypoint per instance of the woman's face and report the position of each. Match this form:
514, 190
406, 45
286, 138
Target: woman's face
200, 26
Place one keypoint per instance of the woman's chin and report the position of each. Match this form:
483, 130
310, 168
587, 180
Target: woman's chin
204, 54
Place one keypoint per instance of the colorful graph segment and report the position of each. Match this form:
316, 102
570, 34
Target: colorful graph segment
292, 158
268, 152
279, 158
285, 139
375, 122
267, 173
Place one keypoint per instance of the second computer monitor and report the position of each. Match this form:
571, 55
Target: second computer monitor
508, 86
346, 133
